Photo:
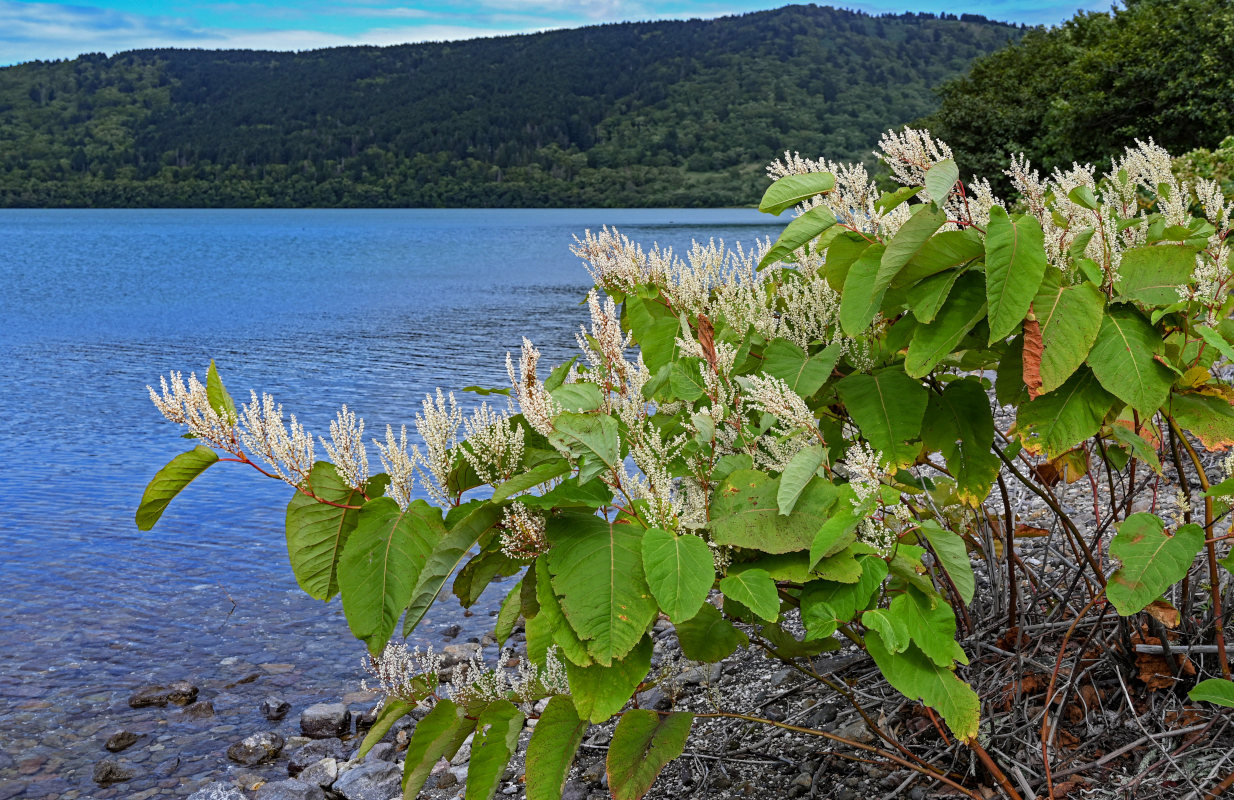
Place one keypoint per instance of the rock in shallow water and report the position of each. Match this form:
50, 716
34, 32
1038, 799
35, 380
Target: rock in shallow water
255, 749
325, 720
199, 711
121, 740
376, 780
219, 790
290, 789
180, 693
110, 771
315, 751
275, 708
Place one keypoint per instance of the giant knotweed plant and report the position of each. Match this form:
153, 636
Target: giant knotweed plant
792, 448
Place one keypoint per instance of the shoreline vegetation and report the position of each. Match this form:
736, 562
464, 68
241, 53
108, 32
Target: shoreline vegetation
690, 118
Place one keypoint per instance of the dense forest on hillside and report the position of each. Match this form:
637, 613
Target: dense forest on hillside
633, 114
1086, 89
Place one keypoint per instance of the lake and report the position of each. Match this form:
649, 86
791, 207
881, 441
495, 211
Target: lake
317, 307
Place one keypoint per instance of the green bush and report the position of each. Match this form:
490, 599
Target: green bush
808, 428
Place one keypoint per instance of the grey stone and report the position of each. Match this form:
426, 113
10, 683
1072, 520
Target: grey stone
199, 711
121, 740
453, 654
290, 789
255, 749
382, 751
110, 771
654, 699
707, 673
325, 721
180, 693
275, 708
378, 780
574, 790
804, 780
219, 790
445, 779
151, 695
12, 789
315, 751
594, 773
323, 773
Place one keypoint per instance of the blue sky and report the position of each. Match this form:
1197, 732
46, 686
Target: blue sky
31, 29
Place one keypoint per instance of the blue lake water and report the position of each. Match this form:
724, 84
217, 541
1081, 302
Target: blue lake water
317, 307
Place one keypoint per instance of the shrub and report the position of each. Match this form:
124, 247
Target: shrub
812, 428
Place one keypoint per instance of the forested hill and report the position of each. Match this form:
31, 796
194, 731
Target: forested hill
683, 113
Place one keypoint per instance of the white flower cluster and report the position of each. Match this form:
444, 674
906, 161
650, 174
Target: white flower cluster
438, 426
473, 681
399, 465
346, 448
494, 445
865, 469
534, 400
400, 671
854, 199
189, 405
522, 532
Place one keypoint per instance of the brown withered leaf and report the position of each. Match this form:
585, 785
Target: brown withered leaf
1069, 467
1163, 612
1033, 346
1069, 787
1030, 532
707, 340
1154, 670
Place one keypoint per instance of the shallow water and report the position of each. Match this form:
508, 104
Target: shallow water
317, 307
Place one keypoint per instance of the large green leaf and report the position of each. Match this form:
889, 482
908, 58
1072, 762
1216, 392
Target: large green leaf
798, 473
1058, 421
599, 692
1070, 317
392, 710
842, 252
680, 571
643, 743
549, 625
1152, 274
959, 425
755, 590
655, 328
931, 626
317, 532
597, 569
169, 481
953, 557
844, 600
798, 233
708, 636
940, 179
804, 374
745, 512
928, 297
837, 532
439, 735
381, 565
1123, 360
794, 189
860, 297
892, 630
217, 396
1210, 419
942, 251
916, 677
1015, 263
555, 740
964, 308
473, 520
1151, 561
1214, 690
495, 740
864, 287
592, 437
888, 407
541, 473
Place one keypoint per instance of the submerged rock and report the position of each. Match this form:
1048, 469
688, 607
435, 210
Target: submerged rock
325, 720
255, 749
110, 771
121, 740
219, 790
275, 708
197, 711
180, 693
